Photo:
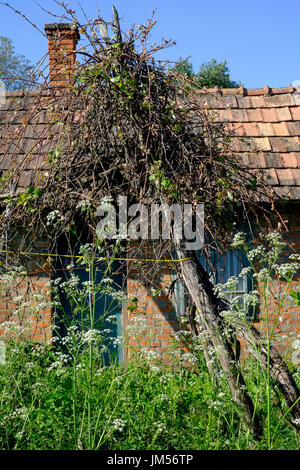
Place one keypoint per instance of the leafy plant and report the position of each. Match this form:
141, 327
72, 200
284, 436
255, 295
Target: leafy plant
210, 75
15, 70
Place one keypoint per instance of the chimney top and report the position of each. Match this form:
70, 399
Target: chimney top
53, 28
62, 42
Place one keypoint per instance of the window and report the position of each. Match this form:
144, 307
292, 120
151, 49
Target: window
221, 267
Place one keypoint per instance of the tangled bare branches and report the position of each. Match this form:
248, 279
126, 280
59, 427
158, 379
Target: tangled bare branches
124, 124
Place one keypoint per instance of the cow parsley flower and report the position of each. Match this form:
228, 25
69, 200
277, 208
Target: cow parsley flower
287, 270
154, 369
84, 205
118, 424
238, 240
54, 218
188, 357
91, 335
161, 427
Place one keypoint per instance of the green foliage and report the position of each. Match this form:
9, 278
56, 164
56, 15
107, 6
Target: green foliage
296, 296
184, 67
162, 181
66, 396
211, 74
28, 198
138, 407
15, 69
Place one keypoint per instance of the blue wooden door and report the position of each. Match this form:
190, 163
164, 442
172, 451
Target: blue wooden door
107, 310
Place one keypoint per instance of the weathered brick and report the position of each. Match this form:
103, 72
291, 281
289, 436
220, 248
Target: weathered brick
280, 129
257, 101
164, 337
61, 54
294, 128
295, 111
284, 144
265, 129
155, 344
254, 115
279, 100
283, 114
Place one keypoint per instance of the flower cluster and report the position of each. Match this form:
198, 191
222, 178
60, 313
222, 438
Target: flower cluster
54, 218
118, 424
160, 427
84, 205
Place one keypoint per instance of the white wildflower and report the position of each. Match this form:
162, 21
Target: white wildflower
274, 239
188, 357
288, 270
91, 335
257, 253
161, 427
54, 218
164, 379
118, 424
154, 369
238, 240
295, 257
84, 205
165, 397
245, 271
296, 344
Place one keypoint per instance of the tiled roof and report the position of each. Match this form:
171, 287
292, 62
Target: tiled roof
265, 128
264, 124
24, 130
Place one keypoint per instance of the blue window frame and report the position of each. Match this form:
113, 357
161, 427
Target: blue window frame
220, 267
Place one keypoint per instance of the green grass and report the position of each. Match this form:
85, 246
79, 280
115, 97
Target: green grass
49, 403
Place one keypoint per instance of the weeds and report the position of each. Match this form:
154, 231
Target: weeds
68, 395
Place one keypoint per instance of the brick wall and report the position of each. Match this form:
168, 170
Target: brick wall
162, 322
157, 311
287, 316
25, 300
62, 42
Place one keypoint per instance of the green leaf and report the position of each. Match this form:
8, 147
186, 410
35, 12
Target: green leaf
296, 296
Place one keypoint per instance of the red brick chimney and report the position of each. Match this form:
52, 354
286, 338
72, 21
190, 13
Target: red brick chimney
62, 42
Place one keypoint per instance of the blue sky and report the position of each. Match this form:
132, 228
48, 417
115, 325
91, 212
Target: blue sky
259, 39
